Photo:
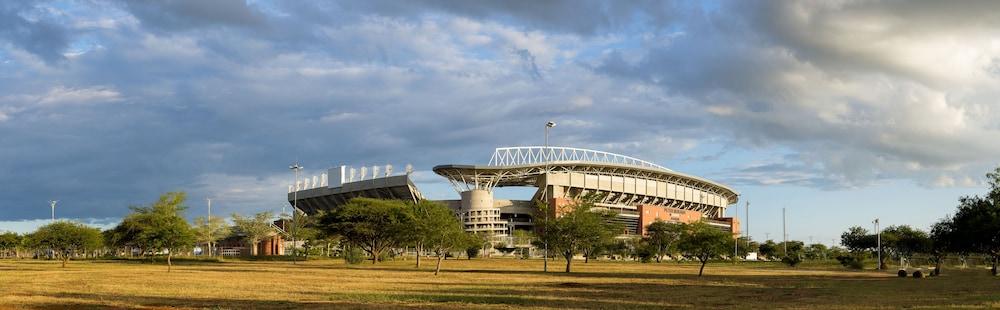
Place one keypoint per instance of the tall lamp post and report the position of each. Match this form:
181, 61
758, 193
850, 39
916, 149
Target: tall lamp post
878, 245
295, 202
209, 223
545, 260
52, 203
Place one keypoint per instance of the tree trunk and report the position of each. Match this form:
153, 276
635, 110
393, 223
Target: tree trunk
64, 259
569, 261
994, 270
586, 258
168, 260
702, 269
420, 247
438, 268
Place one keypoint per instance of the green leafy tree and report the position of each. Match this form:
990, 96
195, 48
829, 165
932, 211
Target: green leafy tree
580, 226
9, 242
704, 242
663, 237
301, 227
426, 216
209, 230
126, 235
816, 251
66, 239
857, 239
374, 225
440, 231
254, 229
905, 241
977, 222
162, 226
768, 249
941, 243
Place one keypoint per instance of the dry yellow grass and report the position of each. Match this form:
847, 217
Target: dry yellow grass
484, 284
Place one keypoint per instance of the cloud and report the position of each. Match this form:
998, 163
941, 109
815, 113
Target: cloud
64, 95
32, 28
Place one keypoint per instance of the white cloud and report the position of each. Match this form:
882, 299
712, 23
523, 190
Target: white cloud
65, 95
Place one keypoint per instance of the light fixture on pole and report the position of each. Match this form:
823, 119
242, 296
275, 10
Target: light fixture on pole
295, 201
878, 245
53, 203
549, 124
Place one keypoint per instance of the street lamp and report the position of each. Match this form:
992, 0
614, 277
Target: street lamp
549, 124
295, 202
53, 203
878, 245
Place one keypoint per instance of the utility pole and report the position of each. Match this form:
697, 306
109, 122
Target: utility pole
748, 225
53, 203
878, 244
545, 194
784, 232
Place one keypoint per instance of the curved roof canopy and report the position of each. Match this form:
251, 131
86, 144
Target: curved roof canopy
521, 166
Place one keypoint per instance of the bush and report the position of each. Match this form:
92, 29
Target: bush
791, 261
918, 274
353, 255
645, 254
901, 273
472, 252
851, 261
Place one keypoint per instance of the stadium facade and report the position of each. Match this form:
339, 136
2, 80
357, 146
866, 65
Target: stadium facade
639, 191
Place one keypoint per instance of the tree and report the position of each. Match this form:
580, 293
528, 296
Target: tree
208, 231
126, 235
977, 222
254, 229
663, 237
768, 249
162, 226
66, 239
9, 242
439, 230
857, 240
300, 228
816, 251
904, 241
580, 226
374, 225
425, 215
704, 242
942, 234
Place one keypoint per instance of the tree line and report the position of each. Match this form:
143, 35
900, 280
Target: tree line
973, 230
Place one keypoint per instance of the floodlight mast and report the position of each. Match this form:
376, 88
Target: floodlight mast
545, 194
295, 201
53, 203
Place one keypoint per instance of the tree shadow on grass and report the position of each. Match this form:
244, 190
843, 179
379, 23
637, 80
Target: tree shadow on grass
111, 301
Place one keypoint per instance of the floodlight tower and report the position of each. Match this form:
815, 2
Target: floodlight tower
52, 203
549, 124
295, 202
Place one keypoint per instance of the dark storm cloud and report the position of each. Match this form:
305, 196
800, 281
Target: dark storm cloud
217, 97
40, 36
169, 15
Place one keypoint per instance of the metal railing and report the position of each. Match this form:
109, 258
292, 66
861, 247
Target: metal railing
527, 155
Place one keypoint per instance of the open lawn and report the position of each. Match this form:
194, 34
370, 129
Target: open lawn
483, 283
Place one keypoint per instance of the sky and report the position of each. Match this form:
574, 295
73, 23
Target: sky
837, 111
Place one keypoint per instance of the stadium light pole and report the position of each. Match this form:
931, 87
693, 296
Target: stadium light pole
209, 223
545, 260
52, 203
295, 202
878, 245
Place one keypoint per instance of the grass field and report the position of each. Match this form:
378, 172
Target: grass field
484, 284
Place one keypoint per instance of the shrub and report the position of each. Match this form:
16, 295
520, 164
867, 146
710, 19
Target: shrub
792, 260
645, 254
472, 252
851, 261
901, 273
918, 274
353, 255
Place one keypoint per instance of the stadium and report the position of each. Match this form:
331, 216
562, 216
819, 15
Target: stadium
640, 192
